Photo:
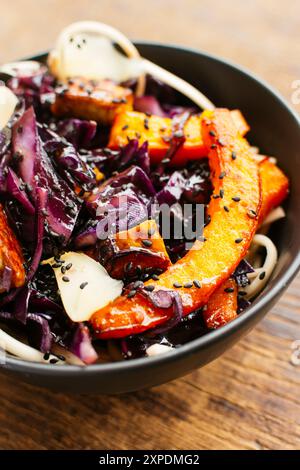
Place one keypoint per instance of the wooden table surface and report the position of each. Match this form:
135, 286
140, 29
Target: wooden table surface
249, 398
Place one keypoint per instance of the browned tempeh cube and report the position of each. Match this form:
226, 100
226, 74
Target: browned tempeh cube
89, 99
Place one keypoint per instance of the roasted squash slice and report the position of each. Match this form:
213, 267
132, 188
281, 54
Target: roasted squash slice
10, 254
130, 252
274, 187
221, 307
157, 131
234, 211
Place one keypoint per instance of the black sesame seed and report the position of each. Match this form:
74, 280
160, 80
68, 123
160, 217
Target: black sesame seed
125, 127
56, 265
65, 279
233, 156
177, 284
238, 240
46, 356
137, 284
155, 277
147, 243
128, 267
69, 266
188, 285
262, 275
131, 294
252, 214
138, 270
236, 199
146, 124
83, 285
212, 133
197, 283
222, 174
213, 146
221, 193
53, 361
149, 288
61, 357
63, 270
216, 196
229, 290
226, 208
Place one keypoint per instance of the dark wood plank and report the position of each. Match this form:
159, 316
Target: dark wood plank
249, 398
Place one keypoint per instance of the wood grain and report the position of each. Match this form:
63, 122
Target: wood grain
249, 398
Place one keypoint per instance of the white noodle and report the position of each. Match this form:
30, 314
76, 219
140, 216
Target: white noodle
267, 267
23, 351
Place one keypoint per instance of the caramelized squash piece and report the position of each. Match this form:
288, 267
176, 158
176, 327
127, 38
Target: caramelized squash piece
10, 253
234, 211
140, 246
158, 132
222, 305
100, 101
274, 187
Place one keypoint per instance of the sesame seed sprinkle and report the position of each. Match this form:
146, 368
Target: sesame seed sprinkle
149, 288
229, 290
131, 293
147, 243
177, 285
188, 285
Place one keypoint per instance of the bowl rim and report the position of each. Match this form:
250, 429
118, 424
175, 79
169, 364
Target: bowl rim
204, 341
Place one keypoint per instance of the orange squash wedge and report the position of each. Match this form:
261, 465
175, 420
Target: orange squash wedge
234, 211
10, 253
274, 187
157, 131
222, 305
141, 245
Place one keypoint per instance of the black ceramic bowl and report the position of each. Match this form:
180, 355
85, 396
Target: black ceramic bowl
276, 130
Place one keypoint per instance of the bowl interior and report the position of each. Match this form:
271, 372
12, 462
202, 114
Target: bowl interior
275, 130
